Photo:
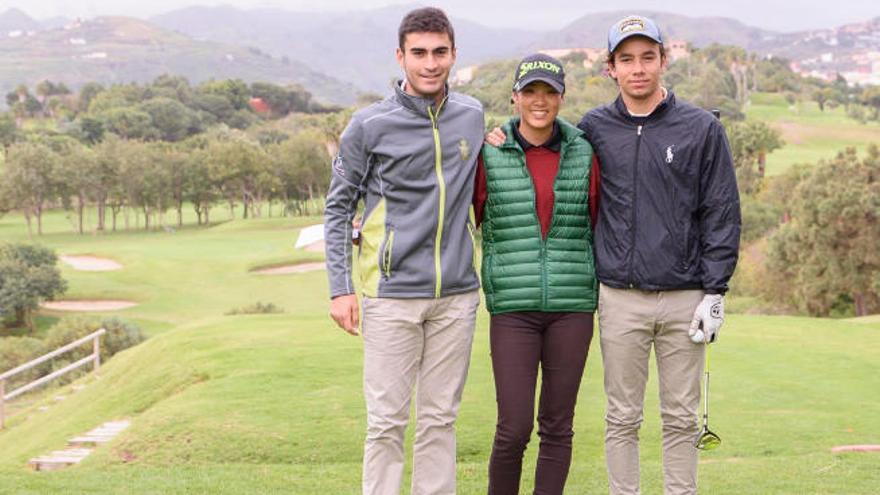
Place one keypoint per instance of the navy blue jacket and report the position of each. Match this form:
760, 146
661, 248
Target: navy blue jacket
669, 212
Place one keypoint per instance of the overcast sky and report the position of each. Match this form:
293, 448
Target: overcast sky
780, 15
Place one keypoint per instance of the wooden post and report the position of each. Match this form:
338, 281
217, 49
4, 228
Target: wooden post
2, 404
94, 358
96, 346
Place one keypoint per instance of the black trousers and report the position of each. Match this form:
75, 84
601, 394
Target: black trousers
520, 343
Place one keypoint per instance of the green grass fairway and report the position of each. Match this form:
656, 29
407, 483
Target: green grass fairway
266, 404
186, 275
810, 135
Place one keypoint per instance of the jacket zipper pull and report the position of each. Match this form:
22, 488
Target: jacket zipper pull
639, 131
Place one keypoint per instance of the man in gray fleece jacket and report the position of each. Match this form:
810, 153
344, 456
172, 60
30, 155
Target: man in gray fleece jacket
411, 158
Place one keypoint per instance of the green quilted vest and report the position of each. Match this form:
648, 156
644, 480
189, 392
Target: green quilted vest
521, 271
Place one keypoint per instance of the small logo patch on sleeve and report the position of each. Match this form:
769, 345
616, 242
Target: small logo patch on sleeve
338, 166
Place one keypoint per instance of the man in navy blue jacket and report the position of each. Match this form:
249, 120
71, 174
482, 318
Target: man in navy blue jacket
666, 245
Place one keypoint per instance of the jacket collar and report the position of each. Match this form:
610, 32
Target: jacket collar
662, 108
567, 133
552, 144
418, 104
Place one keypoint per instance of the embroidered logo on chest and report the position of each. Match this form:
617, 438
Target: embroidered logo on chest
670, 153
464, 150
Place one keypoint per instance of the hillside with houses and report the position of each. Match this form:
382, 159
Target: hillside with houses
321, 51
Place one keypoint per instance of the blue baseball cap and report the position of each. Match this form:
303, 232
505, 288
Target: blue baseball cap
633, 25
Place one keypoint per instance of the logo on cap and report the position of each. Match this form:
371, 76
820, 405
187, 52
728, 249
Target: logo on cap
632, 24
527, 67
539, 67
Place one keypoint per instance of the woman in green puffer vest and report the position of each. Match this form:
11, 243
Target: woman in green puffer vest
534, 197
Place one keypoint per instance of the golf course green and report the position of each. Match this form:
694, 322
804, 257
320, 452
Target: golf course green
265, 404
810, 134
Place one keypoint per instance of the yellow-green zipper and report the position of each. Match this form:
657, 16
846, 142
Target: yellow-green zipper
438, 168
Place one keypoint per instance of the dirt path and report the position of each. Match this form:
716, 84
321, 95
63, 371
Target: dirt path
288, 269
856, 448
88, 305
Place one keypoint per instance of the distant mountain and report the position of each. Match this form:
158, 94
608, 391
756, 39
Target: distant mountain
356, 46
592, 30
13, 20
121, 49
54, 22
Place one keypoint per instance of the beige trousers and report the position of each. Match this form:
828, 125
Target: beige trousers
630, 322
421, 344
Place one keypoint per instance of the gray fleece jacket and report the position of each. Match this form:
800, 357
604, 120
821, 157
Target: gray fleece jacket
412, 162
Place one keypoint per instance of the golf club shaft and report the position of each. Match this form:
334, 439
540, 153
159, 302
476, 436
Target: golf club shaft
706, 390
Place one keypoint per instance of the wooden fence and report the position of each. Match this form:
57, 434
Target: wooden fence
94, 357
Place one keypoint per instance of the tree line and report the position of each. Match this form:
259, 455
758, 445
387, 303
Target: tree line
167, 109
119, 177
145, 150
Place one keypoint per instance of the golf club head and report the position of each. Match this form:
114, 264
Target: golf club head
707, 440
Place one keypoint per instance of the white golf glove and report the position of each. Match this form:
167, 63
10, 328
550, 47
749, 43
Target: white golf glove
707, 319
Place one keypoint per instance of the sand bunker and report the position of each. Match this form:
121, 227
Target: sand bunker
288, 269
87, 305
90, 263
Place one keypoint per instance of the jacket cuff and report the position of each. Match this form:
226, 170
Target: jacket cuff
339, 293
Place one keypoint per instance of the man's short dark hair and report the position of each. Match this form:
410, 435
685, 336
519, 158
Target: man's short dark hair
609, 59
425, 20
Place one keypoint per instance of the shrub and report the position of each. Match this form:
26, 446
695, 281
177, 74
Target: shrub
120, 335
15, 351
256, 309
857, 112
758, 218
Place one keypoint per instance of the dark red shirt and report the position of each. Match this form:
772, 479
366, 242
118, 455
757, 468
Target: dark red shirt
543, 165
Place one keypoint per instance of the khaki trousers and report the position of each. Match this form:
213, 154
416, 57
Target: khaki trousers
630, 322
421, 344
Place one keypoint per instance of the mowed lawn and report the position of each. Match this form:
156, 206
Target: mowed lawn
181, 275
810, 135
272, 403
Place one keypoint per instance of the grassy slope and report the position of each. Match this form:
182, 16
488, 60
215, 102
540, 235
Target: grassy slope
272, 404
277, 407
810, 135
